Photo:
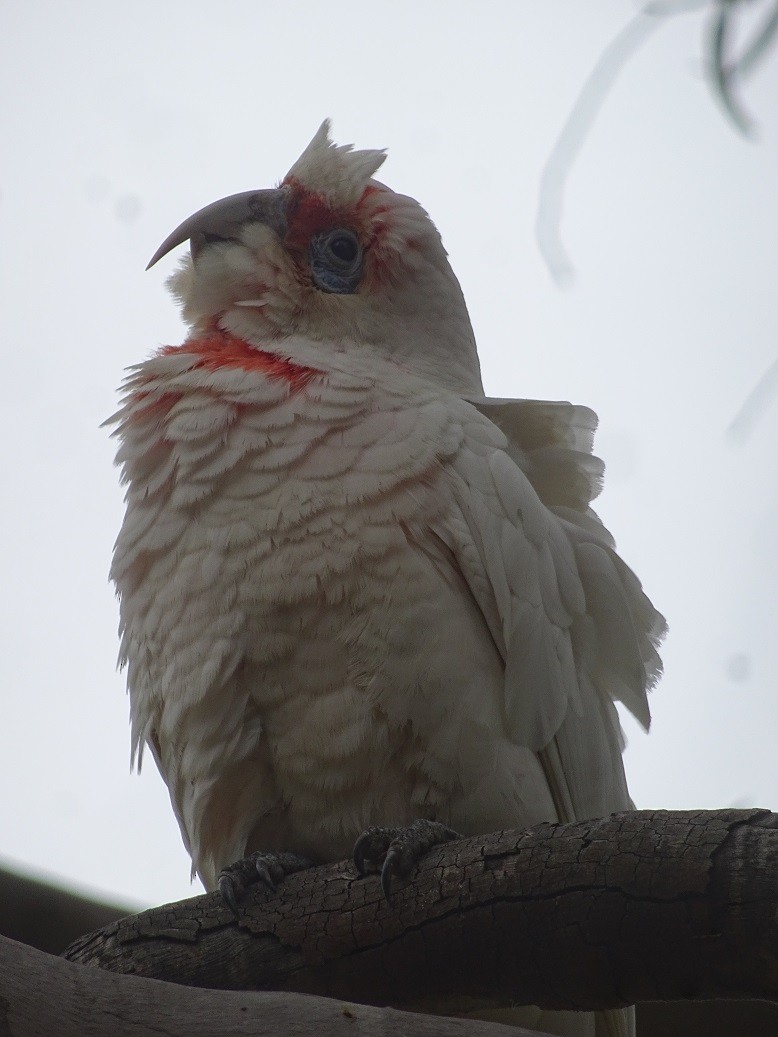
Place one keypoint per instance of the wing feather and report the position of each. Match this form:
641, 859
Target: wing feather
572, 623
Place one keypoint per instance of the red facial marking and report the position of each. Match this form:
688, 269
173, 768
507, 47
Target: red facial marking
221, 350
309, 214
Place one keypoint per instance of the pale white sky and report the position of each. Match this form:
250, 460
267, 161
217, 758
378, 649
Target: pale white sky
119, 120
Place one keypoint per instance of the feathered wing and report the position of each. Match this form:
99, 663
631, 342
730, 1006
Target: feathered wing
578, 631
569, 618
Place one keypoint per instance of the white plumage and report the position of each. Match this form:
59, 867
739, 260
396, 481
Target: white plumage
354, 590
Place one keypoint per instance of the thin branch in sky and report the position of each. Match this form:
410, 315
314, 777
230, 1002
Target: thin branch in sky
578, 125
722, 71
754, 406
759, 46
725, 70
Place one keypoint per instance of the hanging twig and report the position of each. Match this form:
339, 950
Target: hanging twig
723, 69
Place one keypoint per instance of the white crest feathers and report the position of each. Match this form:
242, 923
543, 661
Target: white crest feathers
335, 171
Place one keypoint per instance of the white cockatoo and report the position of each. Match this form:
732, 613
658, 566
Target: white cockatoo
355, 591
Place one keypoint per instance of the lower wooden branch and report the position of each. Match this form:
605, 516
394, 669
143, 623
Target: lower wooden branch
41, 994
636, 907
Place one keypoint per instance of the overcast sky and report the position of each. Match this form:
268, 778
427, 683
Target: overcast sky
118, 120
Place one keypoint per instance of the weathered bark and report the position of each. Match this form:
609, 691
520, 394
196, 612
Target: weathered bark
43, 995
637, 907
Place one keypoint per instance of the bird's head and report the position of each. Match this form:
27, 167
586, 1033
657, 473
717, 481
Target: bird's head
330, 257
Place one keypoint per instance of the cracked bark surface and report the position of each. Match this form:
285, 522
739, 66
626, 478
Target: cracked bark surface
651, 905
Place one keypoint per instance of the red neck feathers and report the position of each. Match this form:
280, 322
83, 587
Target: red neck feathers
219, 349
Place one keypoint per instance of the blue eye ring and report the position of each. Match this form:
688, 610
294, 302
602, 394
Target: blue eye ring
335, 258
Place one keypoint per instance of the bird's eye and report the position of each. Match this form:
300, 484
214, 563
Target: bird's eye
344, 247
336, 261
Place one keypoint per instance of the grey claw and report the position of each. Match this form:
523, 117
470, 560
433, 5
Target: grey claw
227, 890
395, 851
390, 868
265, 877
370, 848
267, 869
359, 853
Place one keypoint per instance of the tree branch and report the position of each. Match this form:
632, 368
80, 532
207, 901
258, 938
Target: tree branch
636, 907
41, 994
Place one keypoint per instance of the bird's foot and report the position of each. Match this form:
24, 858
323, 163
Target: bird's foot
265, 868
395, 851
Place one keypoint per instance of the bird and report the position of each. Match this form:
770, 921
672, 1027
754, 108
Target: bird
355, 591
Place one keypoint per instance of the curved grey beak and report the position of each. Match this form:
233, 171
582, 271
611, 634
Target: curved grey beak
224, 219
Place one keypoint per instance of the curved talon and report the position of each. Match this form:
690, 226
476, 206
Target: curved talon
227, 890
395, 851
370, 849
359, 853
265, 869
391, 867
265, 876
